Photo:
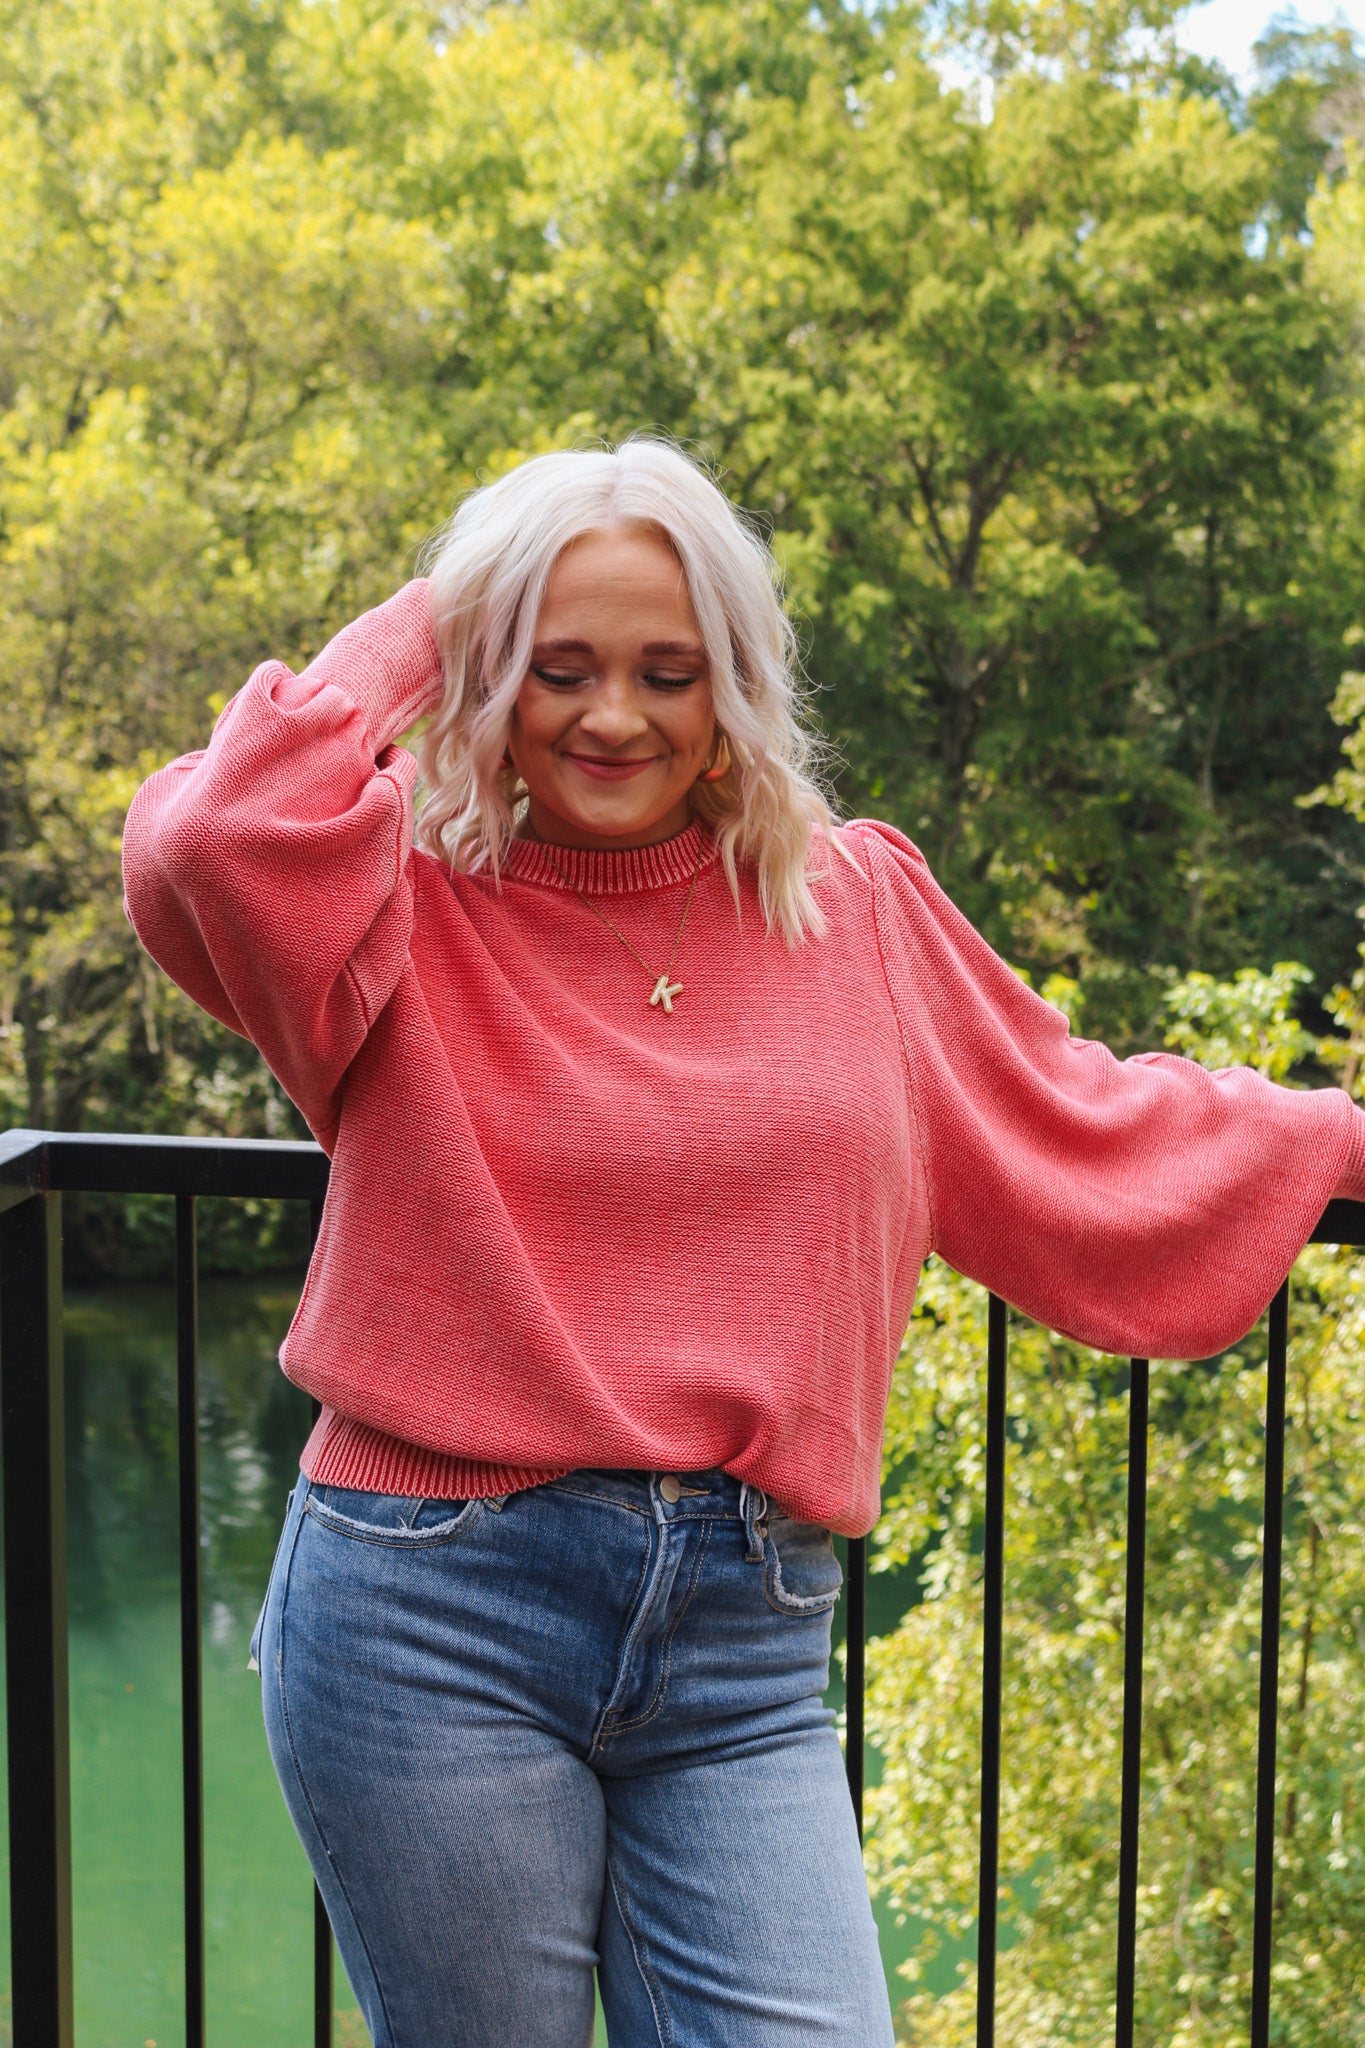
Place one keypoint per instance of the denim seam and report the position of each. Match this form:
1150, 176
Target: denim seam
608, 1500
254, 1647
602, 1733
666, 1662
654, 1991
307, 1795
635, 1621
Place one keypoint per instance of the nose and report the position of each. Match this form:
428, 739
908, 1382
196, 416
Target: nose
613, 715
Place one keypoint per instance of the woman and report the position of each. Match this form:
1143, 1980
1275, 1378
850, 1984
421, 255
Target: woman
647, 1088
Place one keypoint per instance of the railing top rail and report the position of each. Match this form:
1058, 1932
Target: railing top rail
104, 1162
107, 1162
1340, 1223
101, 1162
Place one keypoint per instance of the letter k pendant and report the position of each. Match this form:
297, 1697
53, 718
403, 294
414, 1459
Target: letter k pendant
664, 992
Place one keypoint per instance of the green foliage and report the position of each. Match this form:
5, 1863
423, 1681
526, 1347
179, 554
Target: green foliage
1112, 38
1247, 1022
1064, 1649
1054, 416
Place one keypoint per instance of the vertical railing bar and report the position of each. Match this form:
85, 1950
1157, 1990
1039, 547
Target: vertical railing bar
191, 1638
33, 1400
322, 1974
855, 1674
1130, 1786
992, 1671
1272, 1558
322, 1926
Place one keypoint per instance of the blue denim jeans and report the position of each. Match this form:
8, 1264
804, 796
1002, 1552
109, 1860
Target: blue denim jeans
577, 1728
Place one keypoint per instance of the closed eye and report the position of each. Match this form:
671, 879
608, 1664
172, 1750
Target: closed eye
564, 679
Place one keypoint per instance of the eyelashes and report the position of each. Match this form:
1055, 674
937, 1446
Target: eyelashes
557, 679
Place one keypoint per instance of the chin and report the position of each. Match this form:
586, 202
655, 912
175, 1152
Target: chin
617, 827
609, 817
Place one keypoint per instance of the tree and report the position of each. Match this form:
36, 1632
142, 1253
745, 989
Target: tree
1040, 426
1046, 411
254, 351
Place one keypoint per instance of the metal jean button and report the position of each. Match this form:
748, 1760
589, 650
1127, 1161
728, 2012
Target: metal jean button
670, 1488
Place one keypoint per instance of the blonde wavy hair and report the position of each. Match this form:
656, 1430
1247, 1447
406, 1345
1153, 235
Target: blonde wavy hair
489, 569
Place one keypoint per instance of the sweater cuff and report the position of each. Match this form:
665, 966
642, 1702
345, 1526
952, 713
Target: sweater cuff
386, 662
1350, 1185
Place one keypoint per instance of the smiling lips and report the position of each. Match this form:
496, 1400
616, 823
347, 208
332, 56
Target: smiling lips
609, 771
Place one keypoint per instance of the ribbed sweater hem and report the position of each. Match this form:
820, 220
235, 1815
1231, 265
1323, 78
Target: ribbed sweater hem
343, 1452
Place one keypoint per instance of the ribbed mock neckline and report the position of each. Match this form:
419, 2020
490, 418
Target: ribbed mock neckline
614, 873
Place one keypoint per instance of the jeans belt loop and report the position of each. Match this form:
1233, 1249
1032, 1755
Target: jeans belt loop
753, 1508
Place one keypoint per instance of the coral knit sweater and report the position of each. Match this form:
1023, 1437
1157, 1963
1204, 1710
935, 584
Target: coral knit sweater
564, 1228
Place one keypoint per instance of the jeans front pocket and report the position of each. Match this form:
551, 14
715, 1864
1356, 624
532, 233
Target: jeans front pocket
801, 1572
396, 1520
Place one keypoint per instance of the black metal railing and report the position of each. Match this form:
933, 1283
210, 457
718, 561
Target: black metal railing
37, 1167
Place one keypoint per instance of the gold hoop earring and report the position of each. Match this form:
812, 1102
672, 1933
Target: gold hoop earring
719, 766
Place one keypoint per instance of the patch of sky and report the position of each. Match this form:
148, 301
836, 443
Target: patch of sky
1226, 31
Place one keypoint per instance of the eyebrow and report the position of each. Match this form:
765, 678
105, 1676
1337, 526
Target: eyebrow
688, 648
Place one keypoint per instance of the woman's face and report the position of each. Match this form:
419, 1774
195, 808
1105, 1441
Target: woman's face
613, 722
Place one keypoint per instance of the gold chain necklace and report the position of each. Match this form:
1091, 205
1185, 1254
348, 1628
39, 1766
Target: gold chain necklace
665, 988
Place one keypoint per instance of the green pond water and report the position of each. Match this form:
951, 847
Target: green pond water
124, 1660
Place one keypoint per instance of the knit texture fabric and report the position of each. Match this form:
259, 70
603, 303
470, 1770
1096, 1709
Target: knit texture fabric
566, 1229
